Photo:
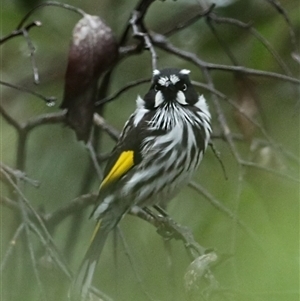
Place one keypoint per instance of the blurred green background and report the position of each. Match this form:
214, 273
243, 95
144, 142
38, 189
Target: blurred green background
264, 269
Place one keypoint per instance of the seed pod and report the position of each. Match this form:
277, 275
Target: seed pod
93, 50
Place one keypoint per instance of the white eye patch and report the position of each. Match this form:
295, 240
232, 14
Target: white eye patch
174, 79
164, 81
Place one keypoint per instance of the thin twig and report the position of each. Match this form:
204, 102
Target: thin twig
236, 107
55, 218
11, 246
268, 141
19, 175
44, 119
36, 78
48, 243
93, 156
135, 21
10, 120
111, 131
221, 41
161, 42
78, 204
51, 248
51, 3
253, 72
217, 155
25, 221
13, 205
283, 12
122, 90
219, 206
270, 170
190, 21
49, 100
133, 264
101, 296
38, 218
20, 31
234, 224
256, 34
221, 117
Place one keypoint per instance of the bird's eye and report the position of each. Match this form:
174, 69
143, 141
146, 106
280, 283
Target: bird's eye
184, 87
156, 88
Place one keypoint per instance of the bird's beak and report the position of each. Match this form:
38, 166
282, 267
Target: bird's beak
169, 92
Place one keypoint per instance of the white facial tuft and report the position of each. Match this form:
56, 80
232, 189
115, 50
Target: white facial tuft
205, 116
185, 71
159, 99
140, 102
181, 98
156, 72
140, 111
202, 105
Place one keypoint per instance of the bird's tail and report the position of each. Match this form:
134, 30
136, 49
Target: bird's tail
79, 290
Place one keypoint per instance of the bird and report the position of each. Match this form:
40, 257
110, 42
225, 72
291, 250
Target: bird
161, 145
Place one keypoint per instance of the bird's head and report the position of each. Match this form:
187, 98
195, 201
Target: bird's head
170, 86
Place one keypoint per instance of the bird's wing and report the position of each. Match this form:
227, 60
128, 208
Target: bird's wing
124, 156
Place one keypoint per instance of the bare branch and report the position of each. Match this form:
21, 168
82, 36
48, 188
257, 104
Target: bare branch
18, 175
162, 43
10, 120
50, 118
142, 8
168, 229
78, 204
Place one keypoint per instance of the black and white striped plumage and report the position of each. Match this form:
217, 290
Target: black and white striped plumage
159, 149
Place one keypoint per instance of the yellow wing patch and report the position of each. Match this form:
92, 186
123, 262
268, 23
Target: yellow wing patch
122, 165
